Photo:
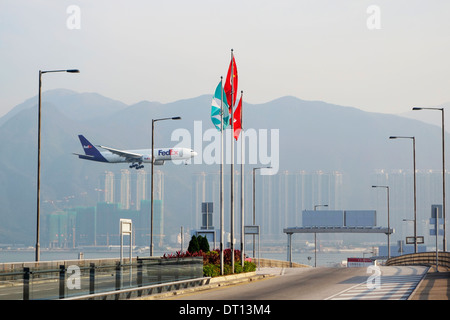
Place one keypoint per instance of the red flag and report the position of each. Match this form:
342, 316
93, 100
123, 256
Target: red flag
231, 83
237, 125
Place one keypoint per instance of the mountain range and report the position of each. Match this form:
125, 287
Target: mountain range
313, 135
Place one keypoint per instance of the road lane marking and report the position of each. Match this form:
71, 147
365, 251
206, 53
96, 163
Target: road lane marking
393, 287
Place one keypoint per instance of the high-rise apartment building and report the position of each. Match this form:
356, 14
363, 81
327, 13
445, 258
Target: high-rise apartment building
125, 191
279, 199
141, 190
401, 202
108, 187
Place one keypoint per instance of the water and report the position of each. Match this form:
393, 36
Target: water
326, 259
29, 256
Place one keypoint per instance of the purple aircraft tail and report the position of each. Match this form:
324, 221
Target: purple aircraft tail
90, 150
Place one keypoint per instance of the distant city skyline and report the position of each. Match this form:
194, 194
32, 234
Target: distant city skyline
379, 56
280, 202
120, 194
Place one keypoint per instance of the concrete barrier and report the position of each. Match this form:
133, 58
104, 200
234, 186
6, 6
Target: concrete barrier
271, 263
421, 258
146, 291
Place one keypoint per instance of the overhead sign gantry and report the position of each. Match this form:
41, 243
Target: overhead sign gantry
336, 221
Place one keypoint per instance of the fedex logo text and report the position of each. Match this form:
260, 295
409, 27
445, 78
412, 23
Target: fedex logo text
169, 152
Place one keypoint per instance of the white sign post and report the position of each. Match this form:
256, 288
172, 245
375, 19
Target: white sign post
126, 227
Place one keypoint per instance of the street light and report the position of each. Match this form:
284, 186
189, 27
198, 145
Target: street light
414, 169
444, 248
389, 228
315, 235
254, 216
153, 161
38, 207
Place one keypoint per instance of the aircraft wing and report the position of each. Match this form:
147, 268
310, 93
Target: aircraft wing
83, 155
122, 153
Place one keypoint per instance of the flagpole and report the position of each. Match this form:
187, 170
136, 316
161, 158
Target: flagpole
221, 180
242, 187
232, 167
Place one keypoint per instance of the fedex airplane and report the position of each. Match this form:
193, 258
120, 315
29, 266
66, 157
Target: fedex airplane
135, 157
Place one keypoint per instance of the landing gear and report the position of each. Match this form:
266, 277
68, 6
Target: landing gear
137, 166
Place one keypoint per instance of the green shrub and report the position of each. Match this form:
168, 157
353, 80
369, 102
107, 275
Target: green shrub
203, 243
249, 266
193, 245
198, 243
226, 269
211, 270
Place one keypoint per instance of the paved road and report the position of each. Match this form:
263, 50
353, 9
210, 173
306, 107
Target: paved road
322, 284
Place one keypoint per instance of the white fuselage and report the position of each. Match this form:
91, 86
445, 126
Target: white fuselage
160, 154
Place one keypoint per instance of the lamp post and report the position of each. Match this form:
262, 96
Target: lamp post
315, 236
254, 215
444, 248
153, 162
389, 228
414, 169
38, 207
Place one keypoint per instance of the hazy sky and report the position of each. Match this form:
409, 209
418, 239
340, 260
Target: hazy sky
176, 49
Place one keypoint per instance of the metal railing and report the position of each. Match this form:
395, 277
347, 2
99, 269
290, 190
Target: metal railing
84, 277
422, 258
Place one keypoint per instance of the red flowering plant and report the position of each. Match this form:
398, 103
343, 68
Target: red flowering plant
211, 261
199, 247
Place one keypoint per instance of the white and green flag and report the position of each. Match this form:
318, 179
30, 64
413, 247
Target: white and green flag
219, 102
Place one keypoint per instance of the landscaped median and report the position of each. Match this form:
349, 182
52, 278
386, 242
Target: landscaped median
198, 247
